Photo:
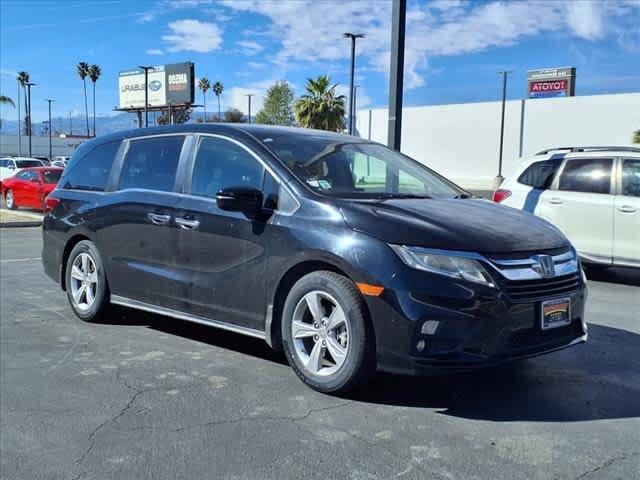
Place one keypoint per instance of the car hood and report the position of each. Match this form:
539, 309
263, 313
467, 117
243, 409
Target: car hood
453, 224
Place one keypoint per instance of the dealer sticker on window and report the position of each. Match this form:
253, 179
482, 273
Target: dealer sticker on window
556, 313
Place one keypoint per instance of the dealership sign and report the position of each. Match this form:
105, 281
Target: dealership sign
551, 82
166, 85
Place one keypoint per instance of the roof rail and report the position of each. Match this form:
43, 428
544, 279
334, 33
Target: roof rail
591, 149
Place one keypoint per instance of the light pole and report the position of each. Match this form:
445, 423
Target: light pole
50, 101
398, 20
29, 123
353, 37
146, 94
498, 180
249, 95
19, 125
355, 105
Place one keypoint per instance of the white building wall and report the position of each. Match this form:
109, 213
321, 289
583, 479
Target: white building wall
461, 141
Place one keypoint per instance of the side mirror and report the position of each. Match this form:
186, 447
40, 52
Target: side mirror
11, 167
36, 180
240, 199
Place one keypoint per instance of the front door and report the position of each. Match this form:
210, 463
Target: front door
626, 249
223, 253
580, 205
138, 234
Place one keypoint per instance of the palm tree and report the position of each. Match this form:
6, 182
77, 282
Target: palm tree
321, 107
4, 100
204, 84
217, 89
94, 74
23, 79
83, 70
636, 136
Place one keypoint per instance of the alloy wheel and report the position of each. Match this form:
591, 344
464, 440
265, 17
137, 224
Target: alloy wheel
84, 281
9, 199
320, 333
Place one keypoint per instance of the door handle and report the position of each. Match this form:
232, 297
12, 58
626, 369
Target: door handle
158, 218
555, 201
627, 209
187, 223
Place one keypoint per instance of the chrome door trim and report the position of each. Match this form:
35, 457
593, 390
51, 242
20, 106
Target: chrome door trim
128, 302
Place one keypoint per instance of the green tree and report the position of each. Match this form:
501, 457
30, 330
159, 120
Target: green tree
4, 100
83, 70
233, 115
217, 88
180, 115
636, 136
94, 74
321, 107
277, 108
23, 79
204, 85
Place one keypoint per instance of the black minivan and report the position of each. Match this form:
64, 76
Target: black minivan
347, 255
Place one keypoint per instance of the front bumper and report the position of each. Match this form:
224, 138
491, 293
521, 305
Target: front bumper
477, 326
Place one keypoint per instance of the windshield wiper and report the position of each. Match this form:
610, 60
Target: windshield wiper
386, 196
463, 195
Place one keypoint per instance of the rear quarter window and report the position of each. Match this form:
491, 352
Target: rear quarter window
91, 171
539, 174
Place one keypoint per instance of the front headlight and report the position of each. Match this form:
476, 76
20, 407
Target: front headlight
451, 264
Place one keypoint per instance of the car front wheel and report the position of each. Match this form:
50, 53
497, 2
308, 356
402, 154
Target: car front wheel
9, 201
326, 335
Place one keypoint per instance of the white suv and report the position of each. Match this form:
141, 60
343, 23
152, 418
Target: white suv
592, 194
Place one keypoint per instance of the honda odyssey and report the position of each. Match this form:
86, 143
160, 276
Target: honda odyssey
347, 255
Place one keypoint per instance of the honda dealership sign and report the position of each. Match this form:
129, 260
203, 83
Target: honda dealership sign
551, 82
166, 84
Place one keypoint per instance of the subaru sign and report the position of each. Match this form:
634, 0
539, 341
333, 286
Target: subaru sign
167, 85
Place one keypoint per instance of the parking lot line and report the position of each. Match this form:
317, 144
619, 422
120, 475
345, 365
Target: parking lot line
14, 260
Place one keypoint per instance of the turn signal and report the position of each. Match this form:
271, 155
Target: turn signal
500, 195
371, 290
50, 203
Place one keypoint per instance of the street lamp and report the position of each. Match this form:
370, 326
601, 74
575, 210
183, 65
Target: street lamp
50, 101
353, 37
498, 180
249, 95
146, 93
29, 123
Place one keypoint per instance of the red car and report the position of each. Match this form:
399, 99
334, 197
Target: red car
30, 186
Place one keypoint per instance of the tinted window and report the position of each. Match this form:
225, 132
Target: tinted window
3, 162
24, 175
631, 178
539, 174
152, 163
587, 175
220, 164
51, 176
29, 163
91, 171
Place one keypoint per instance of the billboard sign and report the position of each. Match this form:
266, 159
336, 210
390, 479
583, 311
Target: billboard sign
167, 85
551, 82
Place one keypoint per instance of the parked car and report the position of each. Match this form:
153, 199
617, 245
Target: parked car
30, 187
59, 163
11, 165
592, 194
348, 255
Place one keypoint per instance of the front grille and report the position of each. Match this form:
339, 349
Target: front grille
542, 288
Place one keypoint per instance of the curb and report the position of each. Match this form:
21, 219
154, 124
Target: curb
34, 223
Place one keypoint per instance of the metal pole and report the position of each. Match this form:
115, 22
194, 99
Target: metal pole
504, 100
49, 101
353, 37
19, 125
521, 147
369, 136
70, 124
249, 95
353, 115
397, 73
29, 126
146, 94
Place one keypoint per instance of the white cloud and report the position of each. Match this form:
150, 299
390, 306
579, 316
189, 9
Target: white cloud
586, 19
250, 48
236, 97
155, 51
193, 35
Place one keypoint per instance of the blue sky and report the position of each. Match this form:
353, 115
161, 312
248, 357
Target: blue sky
453, 48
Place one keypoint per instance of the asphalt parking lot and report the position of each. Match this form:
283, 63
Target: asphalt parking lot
144, 396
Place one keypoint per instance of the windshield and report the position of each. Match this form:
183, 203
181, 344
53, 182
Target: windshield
358, 170
51, 176
28, 163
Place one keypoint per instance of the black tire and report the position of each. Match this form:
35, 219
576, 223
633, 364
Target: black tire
360, 361
98, 309
13, 200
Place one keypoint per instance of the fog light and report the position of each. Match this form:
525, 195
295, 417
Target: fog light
420, 345
429, 327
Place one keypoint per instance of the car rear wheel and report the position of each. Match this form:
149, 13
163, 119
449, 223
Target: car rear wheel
326, 335
9, 201
86, 282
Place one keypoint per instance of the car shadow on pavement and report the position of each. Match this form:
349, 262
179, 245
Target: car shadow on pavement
592, 381
625, 276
